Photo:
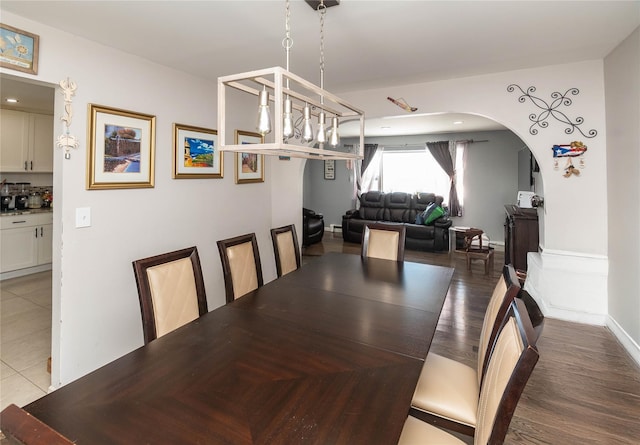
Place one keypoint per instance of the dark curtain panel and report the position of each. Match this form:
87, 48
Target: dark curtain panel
369, 152
440, 152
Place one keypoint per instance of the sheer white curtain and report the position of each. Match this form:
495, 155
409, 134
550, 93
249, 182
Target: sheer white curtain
371, 177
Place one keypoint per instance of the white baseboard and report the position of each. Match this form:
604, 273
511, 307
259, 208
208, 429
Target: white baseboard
23, 272
627, 342
333, 228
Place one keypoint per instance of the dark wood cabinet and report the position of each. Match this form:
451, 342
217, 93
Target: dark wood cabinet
520, 235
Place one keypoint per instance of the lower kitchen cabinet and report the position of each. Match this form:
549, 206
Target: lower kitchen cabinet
26, 241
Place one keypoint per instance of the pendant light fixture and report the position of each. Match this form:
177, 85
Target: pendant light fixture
264, 115
295, 103
307, 129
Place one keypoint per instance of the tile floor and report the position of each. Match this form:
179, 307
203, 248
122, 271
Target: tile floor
25, 338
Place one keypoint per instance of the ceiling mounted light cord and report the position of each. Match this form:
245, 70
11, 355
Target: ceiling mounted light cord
288, 128
295, 102
331, 134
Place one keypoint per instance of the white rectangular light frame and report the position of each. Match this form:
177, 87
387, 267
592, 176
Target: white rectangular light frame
284, 84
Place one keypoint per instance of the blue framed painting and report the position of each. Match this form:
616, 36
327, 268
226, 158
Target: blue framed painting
18, 49
196, 153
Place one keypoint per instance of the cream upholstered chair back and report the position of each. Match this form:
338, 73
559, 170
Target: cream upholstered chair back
240, 265
171, 291
285, 248
510, 365
507, 288
385, 241
513, 357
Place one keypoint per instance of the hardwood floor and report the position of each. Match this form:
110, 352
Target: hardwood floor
585, 388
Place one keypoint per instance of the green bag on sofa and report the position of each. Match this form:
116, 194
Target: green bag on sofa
431, 213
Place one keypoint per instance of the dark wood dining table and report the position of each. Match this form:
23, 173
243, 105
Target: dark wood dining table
328, 354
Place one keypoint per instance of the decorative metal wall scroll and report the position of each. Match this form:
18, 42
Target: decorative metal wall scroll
67, 140
569, 151
551, 110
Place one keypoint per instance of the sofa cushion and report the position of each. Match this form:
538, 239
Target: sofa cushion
372, 206
398, 207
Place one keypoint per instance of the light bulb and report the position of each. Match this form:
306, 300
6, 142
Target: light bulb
334, 137
287, 127
307, 129
321, 135
264, 115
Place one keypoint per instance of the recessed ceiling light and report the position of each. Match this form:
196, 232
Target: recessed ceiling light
12, 100
458, 122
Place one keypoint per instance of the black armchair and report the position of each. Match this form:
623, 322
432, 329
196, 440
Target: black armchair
312, 227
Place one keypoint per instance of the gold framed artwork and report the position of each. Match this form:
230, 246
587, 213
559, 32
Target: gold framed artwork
121, 149
249, 167
19, 49
196, 153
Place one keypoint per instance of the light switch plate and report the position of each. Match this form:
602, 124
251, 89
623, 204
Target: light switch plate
83, 217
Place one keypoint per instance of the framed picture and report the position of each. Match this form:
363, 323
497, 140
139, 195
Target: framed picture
121, 149
330, 169
196, 153
19, 49
249, 166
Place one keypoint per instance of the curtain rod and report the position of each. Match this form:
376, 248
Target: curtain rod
469, 141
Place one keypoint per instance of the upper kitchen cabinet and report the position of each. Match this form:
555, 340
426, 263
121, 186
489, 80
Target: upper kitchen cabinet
26, 142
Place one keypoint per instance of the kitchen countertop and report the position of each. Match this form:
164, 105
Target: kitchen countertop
26, 211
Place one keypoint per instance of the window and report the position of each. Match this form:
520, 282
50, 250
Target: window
417, 171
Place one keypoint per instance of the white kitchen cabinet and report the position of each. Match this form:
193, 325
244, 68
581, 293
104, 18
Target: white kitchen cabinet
41, 143
25, 241
26, 142
14, 140
45, 244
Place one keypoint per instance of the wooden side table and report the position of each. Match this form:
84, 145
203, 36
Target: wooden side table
456, 233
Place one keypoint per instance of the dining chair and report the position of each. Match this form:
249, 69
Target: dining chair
447, 390
513, 358
475, 250
171, 291
285, 248
21, 428
385, 241
240, 265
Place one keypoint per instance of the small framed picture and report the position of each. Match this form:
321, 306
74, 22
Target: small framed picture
330, 169
196, 153
19, 49
249, 166
121, 149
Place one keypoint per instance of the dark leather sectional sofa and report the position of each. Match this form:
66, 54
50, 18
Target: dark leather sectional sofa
398, 208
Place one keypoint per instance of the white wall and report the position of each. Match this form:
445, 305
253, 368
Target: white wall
622, 85
95, 302
569, 278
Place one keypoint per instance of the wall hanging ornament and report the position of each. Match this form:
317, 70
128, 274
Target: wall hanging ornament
403, 104
551, 110
569, 151
66, 140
